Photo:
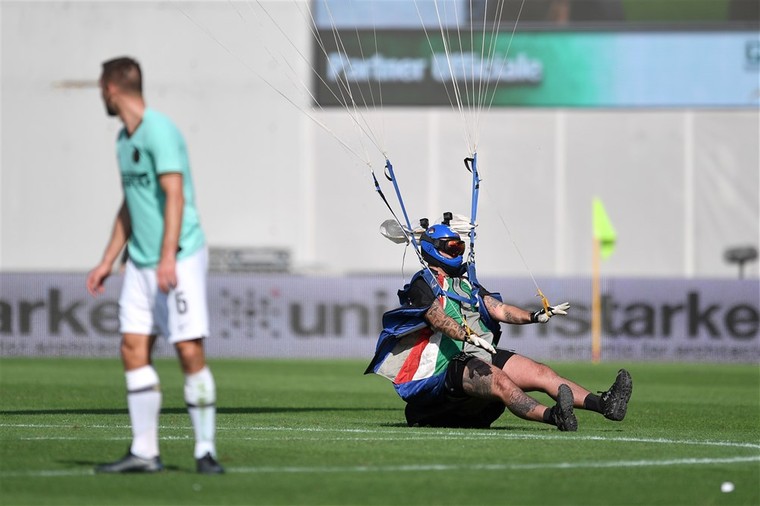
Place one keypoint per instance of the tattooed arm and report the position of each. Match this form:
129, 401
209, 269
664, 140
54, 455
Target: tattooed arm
506, 313
441, 322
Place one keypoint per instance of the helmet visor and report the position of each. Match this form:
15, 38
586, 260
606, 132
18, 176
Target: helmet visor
452, 247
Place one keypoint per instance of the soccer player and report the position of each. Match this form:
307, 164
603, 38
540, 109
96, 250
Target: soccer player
164, 289
438, 350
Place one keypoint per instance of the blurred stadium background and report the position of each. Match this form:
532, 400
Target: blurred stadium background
650, 106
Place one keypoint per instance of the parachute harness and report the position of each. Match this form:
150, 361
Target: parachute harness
471, 164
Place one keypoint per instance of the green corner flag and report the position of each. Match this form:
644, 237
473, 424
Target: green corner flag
604, 232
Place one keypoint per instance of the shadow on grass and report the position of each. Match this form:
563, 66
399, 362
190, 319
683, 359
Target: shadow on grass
538, 427
92, 464
182, 410
541, 427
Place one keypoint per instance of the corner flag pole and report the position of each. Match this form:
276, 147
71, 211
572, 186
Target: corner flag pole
603, 244
596, 304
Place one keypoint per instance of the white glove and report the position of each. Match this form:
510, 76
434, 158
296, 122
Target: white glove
541, 316
481, 343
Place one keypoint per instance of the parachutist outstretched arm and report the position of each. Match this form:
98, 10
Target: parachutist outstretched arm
512, 314
506, 313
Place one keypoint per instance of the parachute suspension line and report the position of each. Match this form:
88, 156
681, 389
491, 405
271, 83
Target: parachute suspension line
437, 63
487, 55
341, 48
282, 58
347, 98
483, 54
363, 125
266, 81
379, 87
470, 89
539, 293
344, 83
432, 51
454, 83
506, 54
379, 139
317, 38
469, 94
379, 82
355, 115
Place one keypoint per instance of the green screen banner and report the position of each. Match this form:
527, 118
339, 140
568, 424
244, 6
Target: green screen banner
539, 69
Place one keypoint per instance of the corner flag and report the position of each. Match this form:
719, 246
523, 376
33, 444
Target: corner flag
604, 232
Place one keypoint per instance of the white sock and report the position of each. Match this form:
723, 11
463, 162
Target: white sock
144, 402
200, 397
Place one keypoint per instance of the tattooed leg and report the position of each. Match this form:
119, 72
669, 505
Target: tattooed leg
485, 381
532, 376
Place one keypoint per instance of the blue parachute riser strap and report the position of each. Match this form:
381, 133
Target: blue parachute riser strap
382, 195
408, 231
392, 177
388, 205
472, 166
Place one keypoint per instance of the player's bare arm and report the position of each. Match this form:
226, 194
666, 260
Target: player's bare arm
166, 272
506, 313
119, 234
441, 322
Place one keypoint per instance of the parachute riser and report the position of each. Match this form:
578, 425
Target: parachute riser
428, 275
472, 166
392, 177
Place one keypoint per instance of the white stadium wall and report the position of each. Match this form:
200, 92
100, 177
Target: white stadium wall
680, 185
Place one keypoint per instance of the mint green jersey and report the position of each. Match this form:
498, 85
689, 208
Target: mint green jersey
156, 147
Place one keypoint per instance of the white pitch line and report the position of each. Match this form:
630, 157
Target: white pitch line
410, 437
114, 438
498, 467
427, 467
404, 434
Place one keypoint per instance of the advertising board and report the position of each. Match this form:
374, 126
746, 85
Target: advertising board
539, 69
277, 315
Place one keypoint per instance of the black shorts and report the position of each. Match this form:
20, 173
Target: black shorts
456, 408
455, 372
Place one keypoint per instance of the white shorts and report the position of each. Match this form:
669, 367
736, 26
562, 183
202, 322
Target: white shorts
180, 315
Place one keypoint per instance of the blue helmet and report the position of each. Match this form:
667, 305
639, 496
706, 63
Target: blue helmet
440, 238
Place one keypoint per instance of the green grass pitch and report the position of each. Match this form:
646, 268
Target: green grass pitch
319, 432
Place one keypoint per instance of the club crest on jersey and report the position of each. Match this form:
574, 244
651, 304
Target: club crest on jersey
136, 155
